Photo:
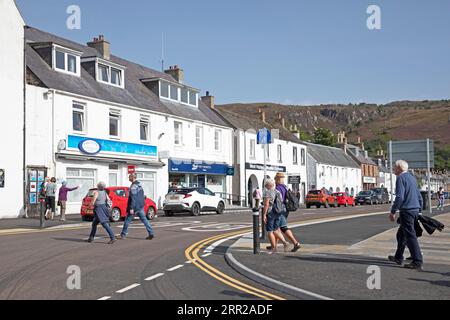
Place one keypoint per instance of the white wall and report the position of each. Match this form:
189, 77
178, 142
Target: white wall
340, 177
11, 112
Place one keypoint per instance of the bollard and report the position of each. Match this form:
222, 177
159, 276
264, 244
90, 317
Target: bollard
256, 242
42, 220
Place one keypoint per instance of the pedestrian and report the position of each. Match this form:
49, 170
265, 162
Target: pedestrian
410, 203
257, 196
50, 199
272, 198
62, 198
101, 213
283, 189
441, 199
135, 206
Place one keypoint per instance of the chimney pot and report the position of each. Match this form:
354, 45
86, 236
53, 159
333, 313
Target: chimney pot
209, 101
101, 45
176, 73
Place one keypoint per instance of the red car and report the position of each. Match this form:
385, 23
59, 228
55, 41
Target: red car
344, 199
320, 198
119, 198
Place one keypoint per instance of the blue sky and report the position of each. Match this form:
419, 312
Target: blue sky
287, 51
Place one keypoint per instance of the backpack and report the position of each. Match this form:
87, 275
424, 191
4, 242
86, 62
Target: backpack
292, 202
278, 206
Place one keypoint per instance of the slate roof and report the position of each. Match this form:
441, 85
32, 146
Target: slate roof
238, 121
331, 156
135, 93
360, 156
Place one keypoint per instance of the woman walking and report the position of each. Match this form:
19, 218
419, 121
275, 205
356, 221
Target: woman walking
50, 199
62, 198
441, 199
101, 213
272, 198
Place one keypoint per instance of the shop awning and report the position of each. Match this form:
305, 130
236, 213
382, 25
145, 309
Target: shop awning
157, 164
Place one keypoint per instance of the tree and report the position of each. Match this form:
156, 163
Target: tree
324, 137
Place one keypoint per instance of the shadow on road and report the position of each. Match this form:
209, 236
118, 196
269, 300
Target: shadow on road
435, 283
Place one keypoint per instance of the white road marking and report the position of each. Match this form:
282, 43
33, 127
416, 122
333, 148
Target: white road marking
206, 255
154, 277
128, 288
175, 268
190, 262
218, 227
104, 298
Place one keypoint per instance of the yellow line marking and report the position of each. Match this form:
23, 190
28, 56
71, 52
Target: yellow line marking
213, 272
12, 232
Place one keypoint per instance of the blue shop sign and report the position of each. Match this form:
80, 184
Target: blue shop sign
191, 166
94, 146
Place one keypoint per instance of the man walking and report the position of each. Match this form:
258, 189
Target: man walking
409, 202
136, 204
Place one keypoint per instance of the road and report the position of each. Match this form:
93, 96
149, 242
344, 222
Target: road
173, 266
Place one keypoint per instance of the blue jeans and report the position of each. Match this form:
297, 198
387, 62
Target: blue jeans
105, 225
144, 220
407, 237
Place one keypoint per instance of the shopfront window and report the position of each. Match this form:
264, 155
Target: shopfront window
147, 180
216, 183
84, 178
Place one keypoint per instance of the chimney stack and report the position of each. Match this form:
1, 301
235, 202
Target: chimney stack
209, 101
176, 73
359, 140
263, 115
283, 123
102, 46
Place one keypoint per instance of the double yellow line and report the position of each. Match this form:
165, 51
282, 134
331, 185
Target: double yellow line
192, 254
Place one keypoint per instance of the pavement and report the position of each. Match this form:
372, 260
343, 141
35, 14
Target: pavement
336, 258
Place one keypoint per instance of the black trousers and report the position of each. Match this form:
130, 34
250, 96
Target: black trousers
407, 237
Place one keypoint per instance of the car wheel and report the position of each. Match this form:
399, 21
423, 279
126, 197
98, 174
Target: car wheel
196, 209
318, 206
115, 215
151, 213
221, 208
308, 206
168, 213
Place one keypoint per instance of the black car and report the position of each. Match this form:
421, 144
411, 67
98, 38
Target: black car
366, 197
382, 195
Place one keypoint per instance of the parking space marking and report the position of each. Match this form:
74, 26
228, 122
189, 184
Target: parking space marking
175, 268
128, 288
156, 276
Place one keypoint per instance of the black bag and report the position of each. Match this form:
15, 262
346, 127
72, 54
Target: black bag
292, 202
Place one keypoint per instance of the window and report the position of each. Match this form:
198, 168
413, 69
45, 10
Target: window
78, 118
295, 158
113, 179
110, 75
174, 93
303, 155
145, 128
147, 180
279, 153
199, 137
184, 95
85, 178
253, 148
66, 62
192, 98
164, 89
116, 77
114, 123
217, 138
178, 130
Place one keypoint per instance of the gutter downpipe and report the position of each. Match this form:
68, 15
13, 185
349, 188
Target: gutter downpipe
25, 213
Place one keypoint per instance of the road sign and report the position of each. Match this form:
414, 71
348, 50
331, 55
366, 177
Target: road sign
131, 169
413, 152
264, 136
294, 180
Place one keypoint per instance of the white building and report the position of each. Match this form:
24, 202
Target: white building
287, 154
94, 117
332, 169
12, 111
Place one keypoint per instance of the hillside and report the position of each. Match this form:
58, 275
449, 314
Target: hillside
375, 124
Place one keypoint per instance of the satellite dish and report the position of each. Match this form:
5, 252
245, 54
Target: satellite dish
62, 145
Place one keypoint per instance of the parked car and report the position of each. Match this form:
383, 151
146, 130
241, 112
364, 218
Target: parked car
119, 198
344, 199
320, 198
193, 200
366, 197
382, 195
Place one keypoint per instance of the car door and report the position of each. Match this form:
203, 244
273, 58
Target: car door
121, 199
213, 200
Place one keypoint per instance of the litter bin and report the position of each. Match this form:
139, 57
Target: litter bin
425, 199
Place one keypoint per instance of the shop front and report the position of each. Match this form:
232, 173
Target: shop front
194, 173
369, 183
84, 162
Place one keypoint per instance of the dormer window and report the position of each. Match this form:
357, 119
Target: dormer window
178, 93
66, 60
109, 74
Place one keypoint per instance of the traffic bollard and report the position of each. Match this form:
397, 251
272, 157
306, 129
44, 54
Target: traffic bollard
42, 220
256, 242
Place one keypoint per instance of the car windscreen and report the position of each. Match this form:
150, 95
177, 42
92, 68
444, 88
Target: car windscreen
338, 194
365, 193
315, 192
